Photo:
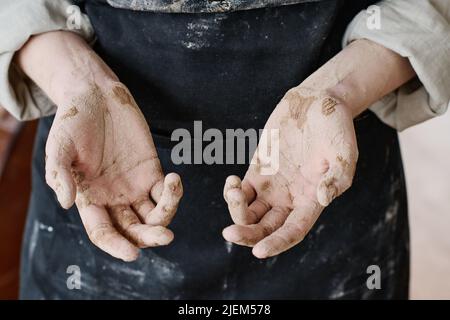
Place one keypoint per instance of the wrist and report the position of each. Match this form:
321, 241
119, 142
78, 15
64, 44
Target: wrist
347, 95
63, 65
78, 75
331, 96
361, 74
69, 86
345, 91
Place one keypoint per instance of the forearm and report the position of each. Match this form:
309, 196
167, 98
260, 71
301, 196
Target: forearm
62, 64
361, 74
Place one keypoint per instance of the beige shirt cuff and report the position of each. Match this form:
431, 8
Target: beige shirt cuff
19, 20
420, 31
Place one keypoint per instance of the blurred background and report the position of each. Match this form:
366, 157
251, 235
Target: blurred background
426, 155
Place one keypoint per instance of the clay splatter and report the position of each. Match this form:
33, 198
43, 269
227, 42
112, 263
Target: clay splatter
328, 106
72, 112
342, 161
122, 95
298, 107
78, 176
266, 185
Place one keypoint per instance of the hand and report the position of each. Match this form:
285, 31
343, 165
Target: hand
317, 159
101, 155
317, 148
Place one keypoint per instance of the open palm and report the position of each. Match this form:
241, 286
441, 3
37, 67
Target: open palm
101, 155
315, 153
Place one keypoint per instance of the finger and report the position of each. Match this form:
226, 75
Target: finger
142, 207
102, 233
58, 174
237, 195
249, 235
127, 222
167, 205
292, 232
234, 182
157, 190
257, 209
235, 198
237, 206
337, 178
249, 191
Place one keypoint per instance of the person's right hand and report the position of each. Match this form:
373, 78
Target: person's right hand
101, 155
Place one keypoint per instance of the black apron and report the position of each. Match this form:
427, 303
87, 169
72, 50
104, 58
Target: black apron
228, 70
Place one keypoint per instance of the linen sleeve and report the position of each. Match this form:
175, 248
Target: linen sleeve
19, 20
420, 31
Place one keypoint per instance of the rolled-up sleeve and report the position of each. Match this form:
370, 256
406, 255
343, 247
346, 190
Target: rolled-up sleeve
420, 31
19, 20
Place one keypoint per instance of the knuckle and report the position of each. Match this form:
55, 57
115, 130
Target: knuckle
169, 208
233, 182
266, 230
296, 232
140, 202
98, 233
125, 218
175, 188
235, 197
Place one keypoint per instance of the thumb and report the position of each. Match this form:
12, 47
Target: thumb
167, 201
58, 174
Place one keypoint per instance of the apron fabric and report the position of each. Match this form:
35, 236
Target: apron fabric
228, 70
197, 6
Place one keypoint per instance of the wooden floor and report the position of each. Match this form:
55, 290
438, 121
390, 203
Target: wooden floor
16, 144
426, 155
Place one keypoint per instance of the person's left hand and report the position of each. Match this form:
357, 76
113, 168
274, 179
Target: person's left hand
279, 200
